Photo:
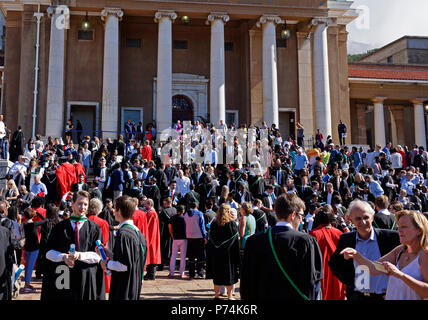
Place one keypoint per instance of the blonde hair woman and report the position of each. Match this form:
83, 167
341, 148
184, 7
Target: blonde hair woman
224, 239
407, 264
10, 192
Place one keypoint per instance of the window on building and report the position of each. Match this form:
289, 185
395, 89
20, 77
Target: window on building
228, 46
180, 44
389, 59
133, 43
85, 35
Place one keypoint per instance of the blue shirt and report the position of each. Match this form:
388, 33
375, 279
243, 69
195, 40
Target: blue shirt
408, 185
387, 152
39, 187
356, 157
369, 249
301, 160
375, 189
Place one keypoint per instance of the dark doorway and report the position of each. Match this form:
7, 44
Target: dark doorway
182, 108
86, 116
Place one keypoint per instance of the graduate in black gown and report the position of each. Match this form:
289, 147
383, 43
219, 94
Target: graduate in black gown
5, 264
224, 237
78, 276
129, 254
107, 215
298, 254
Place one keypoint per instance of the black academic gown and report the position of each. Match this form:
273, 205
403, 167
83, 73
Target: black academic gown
86, 280
300, 256
130, 249
5, 264
107, 215
165, 237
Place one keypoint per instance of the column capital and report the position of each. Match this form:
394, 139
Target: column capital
301, 34
269, 18
217, 16
378, 99
416, 101
322, 20
52, 10
111, 11
165, 14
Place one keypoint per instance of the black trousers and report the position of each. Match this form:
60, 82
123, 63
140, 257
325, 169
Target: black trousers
151, 271
341, 139
356, 296
196, 256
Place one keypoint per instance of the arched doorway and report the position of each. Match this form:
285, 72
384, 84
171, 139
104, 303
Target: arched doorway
182, 108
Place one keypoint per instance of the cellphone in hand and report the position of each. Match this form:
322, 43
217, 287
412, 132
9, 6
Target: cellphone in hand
379, 267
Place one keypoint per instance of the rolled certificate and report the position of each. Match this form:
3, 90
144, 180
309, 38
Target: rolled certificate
18, 272
103, 254
72, 250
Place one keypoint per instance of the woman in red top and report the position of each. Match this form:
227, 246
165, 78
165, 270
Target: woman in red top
327, 237
403, 155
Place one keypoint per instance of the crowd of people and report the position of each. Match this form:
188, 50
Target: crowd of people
299, 229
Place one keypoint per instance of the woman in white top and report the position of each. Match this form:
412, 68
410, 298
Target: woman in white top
396, 159
407, 264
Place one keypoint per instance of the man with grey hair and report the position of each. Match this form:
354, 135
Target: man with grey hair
38, 186
94, 209
374, 243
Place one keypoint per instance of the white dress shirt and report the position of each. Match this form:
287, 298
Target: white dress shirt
89, 257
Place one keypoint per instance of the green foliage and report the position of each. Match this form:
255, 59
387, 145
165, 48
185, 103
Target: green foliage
357, 57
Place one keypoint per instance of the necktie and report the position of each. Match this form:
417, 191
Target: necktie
76, 235
278, 178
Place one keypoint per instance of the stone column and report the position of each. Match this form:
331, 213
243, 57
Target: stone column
420, 131
217, 74
304, 58
164, 70
361, 123
321, 77
270, 78
379, 121
56, 73
110, 103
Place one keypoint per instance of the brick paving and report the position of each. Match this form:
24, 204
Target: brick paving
163, 288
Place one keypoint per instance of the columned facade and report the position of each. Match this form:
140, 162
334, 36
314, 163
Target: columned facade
322, 104
110, 102
235, 75
217, 73
270, 77
56, 73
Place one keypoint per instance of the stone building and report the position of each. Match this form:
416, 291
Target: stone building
389, 94
159, 61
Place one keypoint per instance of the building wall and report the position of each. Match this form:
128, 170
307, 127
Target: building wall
12, 69
84, 63
396, 49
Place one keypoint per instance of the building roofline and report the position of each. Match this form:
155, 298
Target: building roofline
393, 42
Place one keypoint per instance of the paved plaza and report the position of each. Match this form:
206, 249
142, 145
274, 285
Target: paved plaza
163, 288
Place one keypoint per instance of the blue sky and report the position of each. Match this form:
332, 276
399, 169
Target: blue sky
387, 21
